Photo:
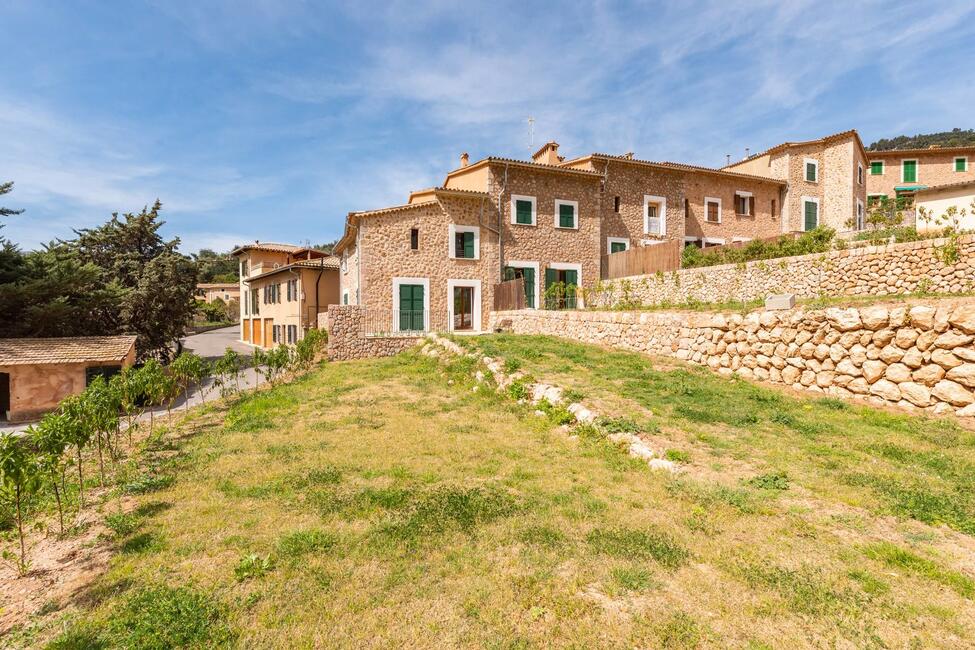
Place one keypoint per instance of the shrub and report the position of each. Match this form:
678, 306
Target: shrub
818, 240
253, 566
770, 481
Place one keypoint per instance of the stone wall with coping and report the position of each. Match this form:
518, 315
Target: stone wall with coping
346, 341
873, 270
918, 356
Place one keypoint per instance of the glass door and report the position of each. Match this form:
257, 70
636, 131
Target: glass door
463, 308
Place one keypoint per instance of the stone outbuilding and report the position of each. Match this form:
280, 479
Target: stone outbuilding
36, 374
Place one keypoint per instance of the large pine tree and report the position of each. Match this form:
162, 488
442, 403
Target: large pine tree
121, 277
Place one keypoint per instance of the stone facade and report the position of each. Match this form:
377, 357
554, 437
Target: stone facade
838, 189
346, 340
872, 270
916, 356
934, 167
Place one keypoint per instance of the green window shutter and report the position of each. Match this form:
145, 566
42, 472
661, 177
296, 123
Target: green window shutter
876, 168
551, 277
617, 247
910, 171
811, 172
571, 283
410, 307
812, 215
523, 212
469, 245
567, 216
529, 274
960, 164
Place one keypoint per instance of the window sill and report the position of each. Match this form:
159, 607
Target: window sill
464, 259
523, 225
710, 221
567, 227
745, 216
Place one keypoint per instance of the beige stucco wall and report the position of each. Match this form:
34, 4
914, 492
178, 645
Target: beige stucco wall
299, 312
37, 389
226, 295
934, 167
938, 202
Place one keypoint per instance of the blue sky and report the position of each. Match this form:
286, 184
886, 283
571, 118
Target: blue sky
268, 119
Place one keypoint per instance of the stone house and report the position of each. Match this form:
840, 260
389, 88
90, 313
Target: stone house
898, 172
36, 374
284, 288
826, 181
432, 262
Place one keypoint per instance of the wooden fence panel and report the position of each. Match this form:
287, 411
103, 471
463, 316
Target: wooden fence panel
510, 294
642, 260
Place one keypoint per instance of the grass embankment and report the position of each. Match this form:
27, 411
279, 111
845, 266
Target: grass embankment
385, 503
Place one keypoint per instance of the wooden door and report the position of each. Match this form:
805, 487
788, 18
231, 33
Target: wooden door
245, 330
268, 332
463, 308
256, 336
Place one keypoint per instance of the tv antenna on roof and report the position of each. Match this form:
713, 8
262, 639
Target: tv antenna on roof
531, 133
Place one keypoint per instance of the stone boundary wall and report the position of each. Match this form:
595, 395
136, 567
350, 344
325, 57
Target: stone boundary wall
917, 357
872, 270
345, 340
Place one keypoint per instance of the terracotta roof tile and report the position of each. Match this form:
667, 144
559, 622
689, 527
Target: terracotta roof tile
947, 186
274, 247
685, 167
76, 349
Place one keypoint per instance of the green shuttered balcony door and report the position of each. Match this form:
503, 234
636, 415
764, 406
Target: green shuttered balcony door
564, 297
411, 308
812, 215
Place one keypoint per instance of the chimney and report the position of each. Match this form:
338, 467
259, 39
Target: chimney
748, 152
548, 154
727, 159
465, 160
628, 155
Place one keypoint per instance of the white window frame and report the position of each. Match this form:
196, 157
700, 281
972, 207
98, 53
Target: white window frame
566, 266
861, 215
452, 230
746, 195
815, 163
661, 202
426, 300
476, 307
520, 264
514, 213
711, 199
617, 240
717, 241
861, 175
575, 213
917, 170
883, 167
819, 212
954, 161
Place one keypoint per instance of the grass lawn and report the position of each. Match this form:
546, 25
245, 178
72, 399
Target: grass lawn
385, 503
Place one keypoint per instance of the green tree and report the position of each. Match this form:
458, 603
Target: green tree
215, 267
20, 478
50, 440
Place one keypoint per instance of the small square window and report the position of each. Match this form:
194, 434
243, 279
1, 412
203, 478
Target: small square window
565, 214
712, 210
961, 164
523, 210
812, 170
877, 168
414, 239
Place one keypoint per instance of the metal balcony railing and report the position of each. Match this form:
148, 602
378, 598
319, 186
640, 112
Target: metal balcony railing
405, 322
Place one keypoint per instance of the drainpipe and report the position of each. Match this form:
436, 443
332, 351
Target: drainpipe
321, 270
500, 225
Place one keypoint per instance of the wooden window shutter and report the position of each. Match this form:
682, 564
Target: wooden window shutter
468, 245
751, 205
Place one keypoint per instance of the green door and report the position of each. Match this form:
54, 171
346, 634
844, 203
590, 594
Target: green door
528, 275
410, 307
812, 215
571, 283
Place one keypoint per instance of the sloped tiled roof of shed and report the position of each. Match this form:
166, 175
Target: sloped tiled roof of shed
77, 349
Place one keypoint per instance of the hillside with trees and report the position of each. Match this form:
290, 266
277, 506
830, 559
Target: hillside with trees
212, 266
121, 277
953, 138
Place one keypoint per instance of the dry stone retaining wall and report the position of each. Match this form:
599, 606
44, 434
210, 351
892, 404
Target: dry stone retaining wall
346, 341
874, 270
918, 357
